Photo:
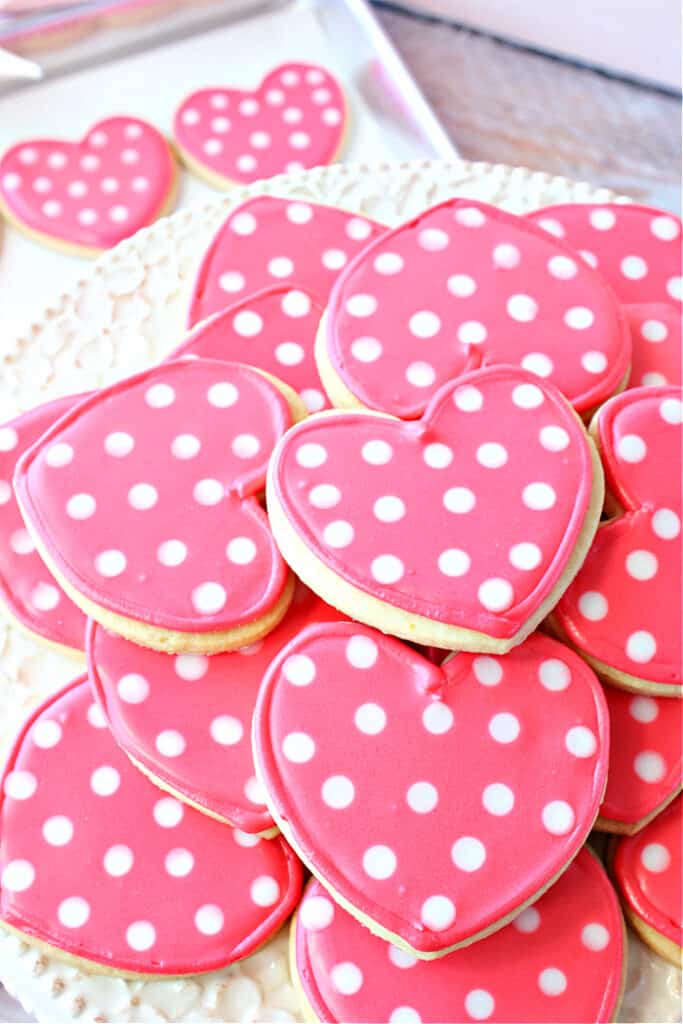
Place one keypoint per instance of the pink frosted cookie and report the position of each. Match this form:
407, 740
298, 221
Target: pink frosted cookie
623, 610
143, 501
295, 119
561, 960
86, 196
391, 522
186, 720
355, 741
267, 241
648, 872
108, 869
645, 763
465, 285
656, 344
273, 330
27, 589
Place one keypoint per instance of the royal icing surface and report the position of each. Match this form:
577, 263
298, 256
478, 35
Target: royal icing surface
91, 193
273, 330
636, 248
561, 960
268, 241
356, 737
98, 862
404, 510
33, 597
624, 606
645, 764
187, 718
144, 496
648, 871
463, 285
292, 121
655, 343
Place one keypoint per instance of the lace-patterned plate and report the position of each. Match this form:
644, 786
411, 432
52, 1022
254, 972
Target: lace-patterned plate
127, 312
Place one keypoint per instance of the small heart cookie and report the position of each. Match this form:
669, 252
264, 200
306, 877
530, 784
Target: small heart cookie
645, 763
560, 960
648, 871
295, 119
655, 343
143, 501
466, 285
267, 241
186, 720
355, 741
31, 595
273, 330
623, 610
101, 866
87, 196
391, 521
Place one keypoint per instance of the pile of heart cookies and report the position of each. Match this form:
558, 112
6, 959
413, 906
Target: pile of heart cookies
378, 575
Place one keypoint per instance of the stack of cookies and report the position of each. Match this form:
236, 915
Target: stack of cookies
377, 575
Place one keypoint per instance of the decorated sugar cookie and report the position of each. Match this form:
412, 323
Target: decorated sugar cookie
28, 590
86, 196
186, 720
143, 501
623, 610
392, 522
273, 330
560, 960
645, 764
656, 344
355, 740
294, 120
648, 872
108, 869
267, 241
465, 285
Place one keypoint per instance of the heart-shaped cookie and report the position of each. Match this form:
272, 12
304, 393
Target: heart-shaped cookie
645, 763
186, 720
268, 241
273, 330
391, 522
623, 610
648, 871
432, 802
560, 960
655, 344
143, 501
463, 285
87, 196
100, 865
294, 120
30, 593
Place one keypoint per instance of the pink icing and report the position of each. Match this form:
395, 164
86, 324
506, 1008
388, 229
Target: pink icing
295, 119
561, 960
624, 606
404, 510
463, 285
98, 862
145, 495
656, 343
92, 193
356, 737
266, 236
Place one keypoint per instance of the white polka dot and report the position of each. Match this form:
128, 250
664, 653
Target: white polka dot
73, 912
633, 267
298, 747
246, 163
487, 670
562, 267
641, 565
109, 185
438, 913
432, 239
96, 717
459, 500
666, 523
346, 978
247, 323
665, 228
472, 332
119, 444
289, 353
522, 308
105, 781
87, 217
468, 853
525, 556
141, 936
338, 534
358, 229
338, 792
133, 688
299, 213
232, 281
387, 569
299, 670
595, 936
379, 862
313, 399
539, 496
554, 439
334, 259
504, 727
46, 733
179, 863
20, 785
172, 553
119, 214
81, 506
361, 305
506, 255
492, 455
470, 216
245, 446
265, 891
558, 817
77, 189
528, 396
422, 797
58, 455
528, 921
437, 455
331, 116
401, 958
641, 646
241, 550
537, 363
143, 496
496, 594
552, 981
602, 219
299, 140
191, 667
18, 876
579, 318
366, 350
254, 792
221, 395
671, 411
404, 1015
370, 719
593, 605
58, 830
594, 362
424, 324
631, 448
644, 709
296, 304
649, 766
580, 741
226, 730
653, 380
361, 652
316, 913
420, 374
110, 563
654, 330
377, 453
498, 799
170, 743
479, 1004
655, 858
208, 598
461, 285
159, 396
311, 455
118, 860
454, 562
28, 155
275, 97
21, 542
11, 181
389, 509
437, 718
554, 675
168, 812
5, 492
52, 208
388, 263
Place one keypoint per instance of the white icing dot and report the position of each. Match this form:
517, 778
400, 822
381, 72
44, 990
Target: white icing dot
11, 181
5, 492
388, 263
299, 140
404, 1015
361, 305
487, 670
522, 308
377, 453
231, 281
241, 550
454, 562
361, 652
461, 285
641, 565
580, 741
58, 455
208, 598
554, 675
170, 743
280, 266
338, 534
528, 921
346, 978
243, 224
479, 1004
96, 717
226, 730
602, 219
653, 379
552, 981
595, 936
142, 496
366, 350
496, 594
21, 542
105, 781
331, 116
401, 958
504, 727
468, 399
119, 214
298, 747
110, 185
334, 259
316, 913
498, 799
437, 718
644, 709
554, 439
81, 506
296, 304
538, 363
191, 667
437, 455
492, 455
424, 324
370, 719
254, 792
77, 189
539, 496
133, 688
141, 936
119, 444
299, 213
222, 395
422, 797
472, 332
110, 563
338, 792
579, 318
52, 208
593, 605
649, 766
247, 323
18, 876
379, 862
313, 399
528, 396
525, 556
179, 863
558, 817
631, 448
46, 733
665, 228
299, 670
311, 455
641, 646
432, 239
20, 785
358, 229
562, 267
468, 853
324, 496
594, 362
470, 216
73, 912
118, 860
666, 523
246, 163
168, 812
654, 331
655, 857
245, 446
172, 553
159, 396
259, 140
58, 830
633, 267
420, 374
265, 891
387, 569
671, 411
459, 500
389, 509
506, 255
275, 97
438, 913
